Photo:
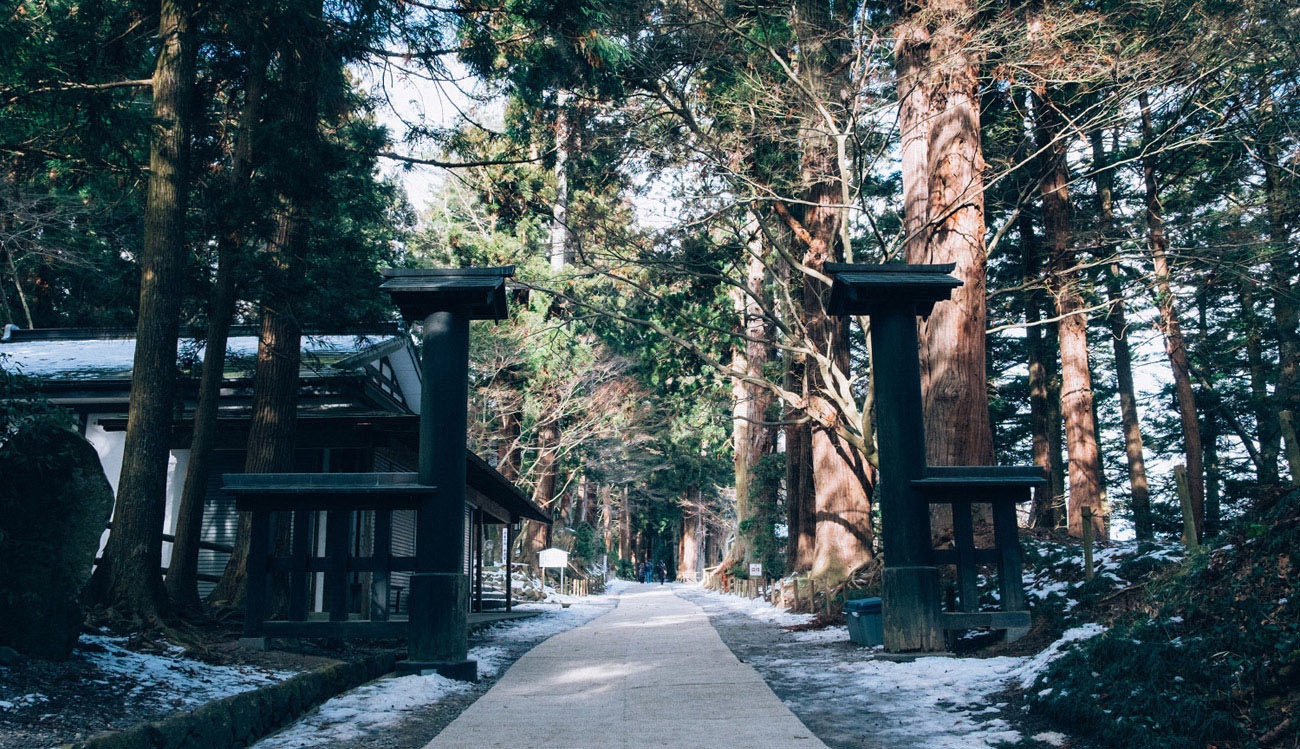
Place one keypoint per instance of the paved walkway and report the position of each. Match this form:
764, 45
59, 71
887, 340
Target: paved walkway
652, 672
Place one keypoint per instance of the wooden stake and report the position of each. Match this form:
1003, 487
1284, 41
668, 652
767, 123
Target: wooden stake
1087, 543
1185, 500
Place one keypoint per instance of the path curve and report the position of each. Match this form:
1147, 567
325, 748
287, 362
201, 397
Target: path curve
652, 672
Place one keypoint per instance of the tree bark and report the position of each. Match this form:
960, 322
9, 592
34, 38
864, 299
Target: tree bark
559, 252
953, 367
1175, 345
753, 439
799, 493
537, 535
182, 573
1267, 427
279, 346
692, 537
129, 579
840, 473
1282, 209
1042, 513
1139, 494
911, 55
625, 526
1076, 378
607, 518
940, 102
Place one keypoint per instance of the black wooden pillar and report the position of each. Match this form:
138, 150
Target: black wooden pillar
910, 581
894, 296
444, 300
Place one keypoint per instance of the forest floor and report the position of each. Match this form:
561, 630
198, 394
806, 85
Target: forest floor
111, 683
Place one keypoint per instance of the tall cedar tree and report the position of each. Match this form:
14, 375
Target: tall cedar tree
182, 573
275, 379
129, 579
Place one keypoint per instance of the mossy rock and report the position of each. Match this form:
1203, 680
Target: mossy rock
54, 504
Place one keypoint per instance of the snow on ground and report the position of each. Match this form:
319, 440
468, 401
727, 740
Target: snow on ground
931, 701
169, 677
757, 608
386, 702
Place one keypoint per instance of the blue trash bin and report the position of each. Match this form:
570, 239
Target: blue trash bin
865, 621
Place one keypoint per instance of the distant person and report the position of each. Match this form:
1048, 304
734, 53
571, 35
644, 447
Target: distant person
662, 569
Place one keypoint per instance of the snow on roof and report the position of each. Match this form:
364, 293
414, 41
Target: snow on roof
52, 355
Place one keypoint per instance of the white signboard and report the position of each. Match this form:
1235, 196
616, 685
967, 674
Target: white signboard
553, 558
756, 569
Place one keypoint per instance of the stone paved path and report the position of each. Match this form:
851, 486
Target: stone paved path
652, 672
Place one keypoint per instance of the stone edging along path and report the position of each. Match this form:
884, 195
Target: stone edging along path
241, 719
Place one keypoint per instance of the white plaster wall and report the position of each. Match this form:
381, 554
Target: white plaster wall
109, 446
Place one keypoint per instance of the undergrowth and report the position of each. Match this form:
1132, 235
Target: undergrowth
1210, 656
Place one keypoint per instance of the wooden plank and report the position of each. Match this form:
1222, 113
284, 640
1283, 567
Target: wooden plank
259, 543
963, 533
1011, 565
981, 556
336, 573
946, 494
990, 619
383, 562
301, 549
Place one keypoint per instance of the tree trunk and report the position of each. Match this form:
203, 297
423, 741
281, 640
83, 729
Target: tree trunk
1282, 266
607, 518
182, 573
625, 526
911, 55
129, 579
1266, 423
1042, 513
953, 367
840, 473
537, 535
272, 425
1076, 378
1139, 494
690, 545
279, 346
1175, 346
753, 439
799, 494
559, 252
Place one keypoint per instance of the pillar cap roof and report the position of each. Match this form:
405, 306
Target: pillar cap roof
864, 289
479, 293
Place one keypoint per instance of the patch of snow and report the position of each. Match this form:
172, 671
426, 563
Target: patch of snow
377, 705
830, 634
756, 608
1051, 737
171, 678
26, 700
937, 701
1028, 672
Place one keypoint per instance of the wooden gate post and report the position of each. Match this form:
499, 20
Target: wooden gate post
445, 300
894, 296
